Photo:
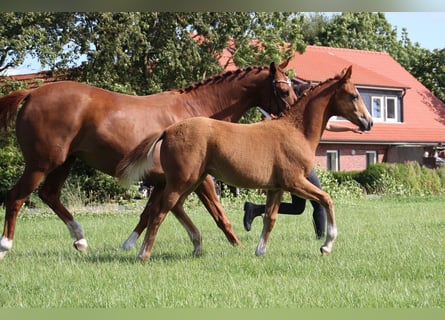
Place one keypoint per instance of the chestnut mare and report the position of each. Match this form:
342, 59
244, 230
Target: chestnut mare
64, 120
276, 155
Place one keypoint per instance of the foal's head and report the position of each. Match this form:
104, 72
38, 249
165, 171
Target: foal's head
348, 103
283, 93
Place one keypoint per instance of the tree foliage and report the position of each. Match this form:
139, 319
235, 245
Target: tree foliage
150, 52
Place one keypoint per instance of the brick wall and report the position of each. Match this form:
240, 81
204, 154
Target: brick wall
351, 157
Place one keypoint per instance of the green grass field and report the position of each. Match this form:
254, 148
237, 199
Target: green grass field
389, 254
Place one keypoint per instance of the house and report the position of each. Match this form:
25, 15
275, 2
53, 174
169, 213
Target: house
409, 121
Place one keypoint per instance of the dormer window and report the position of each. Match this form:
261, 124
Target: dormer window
385, 108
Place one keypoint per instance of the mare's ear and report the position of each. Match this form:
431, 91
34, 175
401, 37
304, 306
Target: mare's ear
272, 68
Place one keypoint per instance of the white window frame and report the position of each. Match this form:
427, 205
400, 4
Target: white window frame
383, 117
396, 109
371, 155
332, 155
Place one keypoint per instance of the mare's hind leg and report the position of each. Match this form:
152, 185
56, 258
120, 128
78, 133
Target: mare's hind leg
155, 197
28, 182
207, 195
272, 204
142, 224
50, 194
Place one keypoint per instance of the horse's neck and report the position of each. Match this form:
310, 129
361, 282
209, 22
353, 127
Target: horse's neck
313, 115
230, 98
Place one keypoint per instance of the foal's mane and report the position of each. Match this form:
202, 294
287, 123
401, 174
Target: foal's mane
222, 77
296, 110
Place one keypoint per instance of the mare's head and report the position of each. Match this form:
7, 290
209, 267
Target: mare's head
348, 103
283, 93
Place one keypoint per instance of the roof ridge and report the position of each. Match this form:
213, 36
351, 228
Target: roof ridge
349, 49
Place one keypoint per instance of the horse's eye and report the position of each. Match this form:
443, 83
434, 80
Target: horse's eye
354, 97
284, 94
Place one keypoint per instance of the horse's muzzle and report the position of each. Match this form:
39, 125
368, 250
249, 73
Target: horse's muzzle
366, 124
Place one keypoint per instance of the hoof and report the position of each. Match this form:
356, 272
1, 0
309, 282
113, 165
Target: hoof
260, 252
197, 252
128, 245
142, 258
81, 245
131, 241
324, 251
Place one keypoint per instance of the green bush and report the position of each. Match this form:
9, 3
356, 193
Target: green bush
372, 177
95, 186
11, 164
340, 185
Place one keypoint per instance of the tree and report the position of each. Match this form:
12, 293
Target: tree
359, 30
155, 51
38, 34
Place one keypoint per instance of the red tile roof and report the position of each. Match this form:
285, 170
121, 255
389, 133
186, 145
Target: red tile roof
423, 113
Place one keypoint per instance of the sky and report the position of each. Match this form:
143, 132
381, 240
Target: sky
426, 28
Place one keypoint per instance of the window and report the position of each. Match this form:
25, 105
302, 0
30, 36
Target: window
332, 158
385, 108
376, 111
391, 109
371, 158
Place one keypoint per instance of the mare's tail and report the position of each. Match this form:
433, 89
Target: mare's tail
9, 105
138, 162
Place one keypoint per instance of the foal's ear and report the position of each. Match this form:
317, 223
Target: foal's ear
347, 73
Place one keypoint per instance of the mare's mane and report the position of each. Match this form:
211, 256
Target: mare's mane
222, 77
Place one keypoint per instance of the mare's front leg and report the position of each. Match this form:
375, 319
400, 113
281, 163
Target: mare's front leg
207, 195
307, 190
272, 204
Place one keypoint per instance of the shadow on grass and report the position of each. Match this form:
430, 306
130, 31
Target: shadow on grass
125, 257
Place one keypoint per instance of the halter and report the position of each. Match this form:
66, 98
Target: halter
275, 93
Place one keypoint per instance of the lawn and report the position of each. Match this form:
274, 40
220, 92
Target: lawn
389, 254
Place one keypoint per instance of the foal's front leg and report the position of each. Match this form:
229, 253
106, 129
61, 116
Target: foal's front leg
272, 204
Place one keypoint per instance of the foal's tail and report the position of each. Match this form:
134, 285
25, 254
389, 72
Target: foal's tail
138, 162
9, 105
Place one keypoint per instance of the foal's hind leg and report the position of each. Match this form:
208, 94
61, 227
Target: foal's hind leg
180, 214
192, 230
28, 182
308, 191
156, 215
207, 195
50, 194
